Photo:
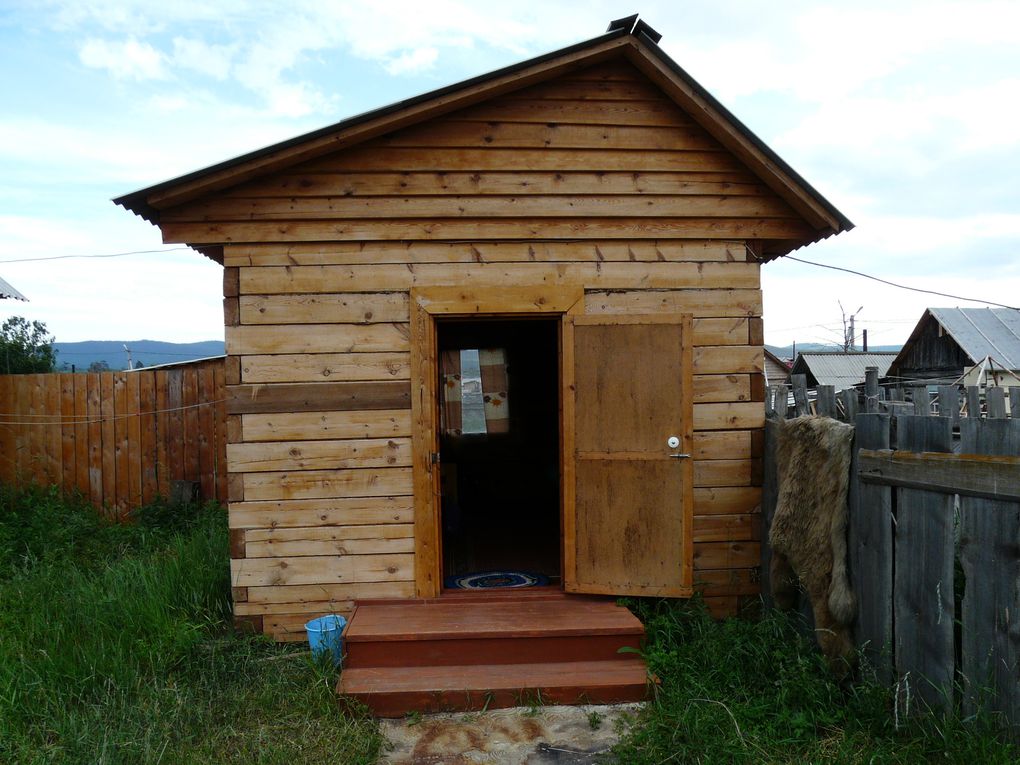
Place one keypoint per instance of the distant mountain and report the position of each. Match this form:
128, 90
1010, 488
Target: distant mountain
144, 353
786, 351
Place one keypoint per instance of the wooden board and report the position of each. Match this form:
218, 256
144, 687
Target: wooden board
304, 513
314, 338
320, 484
694, 227
923, 602
609, 275
317, 455
989, 533
487, 207
321, 367
870, 537
351, 308
301, 426
574, 182
699, 302
317, 397
633, 501
320, 569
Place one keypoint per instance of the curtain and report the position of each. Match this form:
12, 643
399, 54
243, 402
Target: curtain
474, 391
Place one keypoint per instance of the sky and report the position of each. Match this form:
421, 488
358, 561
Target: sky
904, 115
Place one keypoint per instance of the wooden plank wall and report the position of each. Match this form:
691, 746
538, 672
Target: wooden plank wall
595, 180
118, 438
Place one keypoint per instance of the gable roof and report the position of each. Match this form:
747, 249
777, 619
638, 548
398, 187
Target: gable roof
7, 291
776, 369
980, 333
843, 369
636, 42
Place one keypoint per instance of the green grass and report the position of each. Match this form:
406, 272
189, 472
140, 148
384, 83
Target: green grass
116, 647
757, 691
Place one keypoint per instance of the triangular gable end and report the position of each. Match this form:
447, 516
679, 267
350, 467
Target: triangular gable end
600, 149
710, 120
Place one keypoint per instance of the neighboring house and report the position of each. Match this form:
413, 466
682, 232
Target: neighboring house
841, 369
947, 342
777, 370
7, 291
511, 324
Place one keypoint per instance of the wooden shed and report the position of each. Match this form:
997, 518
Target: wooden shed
463, 330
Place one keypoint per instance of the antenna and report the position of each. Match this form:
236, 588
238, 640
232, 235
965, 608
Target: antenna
130, 365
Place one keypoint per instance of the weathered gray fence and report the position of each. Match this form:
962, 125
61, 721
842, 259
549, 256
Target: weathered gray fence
934, 538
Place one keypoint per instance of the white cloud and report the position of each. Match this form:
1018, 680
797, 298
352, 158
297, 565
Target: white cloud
413, 61
128, 59
200, 56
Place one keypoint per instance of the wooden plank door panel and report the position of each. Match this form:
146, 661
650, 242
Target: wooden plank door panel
628, 522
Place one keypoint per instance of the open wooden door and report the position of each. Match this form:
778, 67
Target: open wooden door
627, 490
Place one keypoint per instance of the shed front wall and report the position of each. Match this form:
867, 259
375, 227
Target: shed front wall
594, 181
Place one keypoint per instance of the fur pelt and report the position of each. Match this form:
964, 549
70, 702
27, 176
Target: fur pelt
808, 532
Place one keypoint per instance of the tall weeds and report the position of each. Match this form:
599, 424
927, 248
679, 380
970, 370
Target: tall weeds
758, 691
115, 646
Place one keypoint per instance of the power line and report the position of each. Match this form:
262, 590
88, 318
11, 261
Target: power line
106, 255
902, 286
84, 419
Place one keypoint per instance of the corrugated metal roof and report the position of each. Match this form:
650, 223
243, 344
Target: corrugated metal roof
7, 291
843, 369
983, 332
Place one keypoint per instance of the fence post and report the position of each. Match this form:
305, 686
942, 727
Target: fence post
769, 496
989, 536
850, 405
949, 403
995, 399
871, 550
871, 390
923, 598
800, 398
922, 402
973, 401
826, 401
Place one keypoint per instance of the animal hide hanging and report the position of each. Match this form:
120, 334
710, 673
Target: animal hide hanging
808, 531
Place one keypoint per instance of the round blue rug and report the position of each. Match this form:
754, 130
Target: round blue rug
488, 580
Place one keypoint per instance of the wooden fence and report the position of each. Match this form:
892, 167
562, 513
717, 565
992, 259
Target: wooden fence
934, 539
118, 438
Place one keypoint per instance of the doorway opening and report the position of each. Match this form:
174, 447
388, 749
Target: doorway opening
499, 450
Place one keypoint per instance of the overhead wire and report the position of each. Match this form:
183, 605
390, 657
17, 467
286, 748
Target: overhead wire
16, 417
103, 255
900, 286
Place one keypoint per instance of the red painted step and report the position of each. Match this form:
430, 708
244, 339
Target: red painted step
472, 652
395, 691
448, 632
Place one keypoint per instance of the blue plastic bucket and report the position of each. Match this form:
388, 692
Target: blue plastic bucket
324, 635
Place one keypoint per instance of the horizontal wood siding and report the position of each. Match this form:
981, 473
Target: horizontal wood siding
596, 181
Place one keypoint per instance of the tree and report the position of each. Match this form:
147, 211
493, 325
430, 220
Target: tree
25, 347
99, 366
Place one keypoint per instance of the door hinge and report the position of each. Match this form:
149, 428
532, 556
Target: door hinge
434, 458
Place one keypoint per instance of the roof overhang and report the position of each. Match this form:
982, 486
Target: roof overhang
7, 291
638, 43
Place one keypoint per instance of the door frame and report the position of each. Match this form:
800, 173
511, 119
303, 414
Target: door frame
427, 304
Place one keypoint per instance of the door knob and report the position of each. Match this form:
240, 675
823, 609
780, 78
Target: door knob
673, 442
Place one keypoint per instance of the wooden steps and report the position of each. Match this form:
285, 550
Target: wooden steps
488, 651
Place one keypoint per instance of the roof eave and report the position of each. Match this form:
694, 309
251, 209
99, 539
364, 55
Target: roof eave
641, 49
140, 202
